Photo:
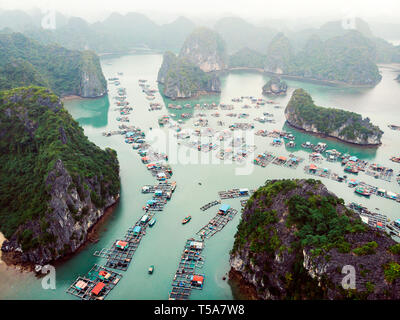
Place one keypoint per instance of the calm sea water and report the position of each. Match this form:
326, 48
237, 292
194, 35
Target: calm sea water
163, 244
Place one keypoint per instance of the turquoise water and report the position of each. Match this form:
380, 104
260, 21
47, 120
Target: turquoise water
163, 244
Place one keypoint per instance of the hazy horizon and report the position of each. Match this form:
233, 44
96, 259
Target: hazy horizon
306, 12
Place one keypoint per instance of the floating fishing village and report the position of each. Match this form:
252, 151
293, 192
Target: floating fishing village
223, 144
219, 153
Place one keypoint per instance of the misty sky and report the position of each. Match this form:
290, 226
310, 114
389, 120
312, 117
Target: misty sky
386, 10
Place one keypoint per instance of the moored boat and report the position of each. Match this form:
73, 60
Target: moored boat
186, 220
151, 269
363, 192
152, 222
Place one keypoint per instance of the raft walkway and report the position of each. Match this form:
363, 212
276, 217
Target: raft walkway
119, 256
233, 193
192, 260
210, 204
216, 224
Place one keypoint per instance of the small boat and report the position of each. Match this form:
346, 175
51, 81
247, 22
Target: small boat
152, 222
363, 192
38, 268
186, 220
151, 269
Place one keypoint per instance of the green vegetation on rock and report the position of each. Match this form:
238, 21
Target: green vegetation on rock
301, 112
392, 271
368, 248
246, 58
294, 239
25, 62
348, 58
275, 86
183, 79
49, 169
206, 49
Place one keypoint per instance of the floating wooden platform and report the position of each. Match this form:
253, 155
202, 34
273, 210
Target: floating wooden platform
190, 260
216, 224
210, 204
91, 279
231, 194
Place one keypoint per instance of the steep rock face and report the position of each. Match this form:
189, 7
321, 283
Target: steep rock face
205, 49
294, 239
65, 183
169, 61
275, 87
279, 55
93, 84
302, 113
182, 79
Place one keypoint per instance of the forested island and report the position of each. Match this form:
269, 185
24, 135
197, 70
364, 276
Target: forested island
193, 71
25, 62
302, 113
55, 183
294, 239
347, 59
275, 86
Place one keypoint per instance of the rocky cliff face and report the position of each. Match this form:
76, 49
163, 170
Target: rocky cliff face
275, 87
182, 79
67, 181
64, 205
92, 83
206, 49
280, 55
288, 248
302, 113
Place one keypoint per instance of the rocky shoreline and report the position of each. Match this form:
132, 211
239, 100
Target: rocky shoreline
302, 113
333, 138
13, 259
241, 289
75, 97
286, 247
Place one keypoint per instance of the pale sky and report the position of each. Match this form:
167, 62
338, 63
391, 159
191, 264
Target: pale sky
386, 10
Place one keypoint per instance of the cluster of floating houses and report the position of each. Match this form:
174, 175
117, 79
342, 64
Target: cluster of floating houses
188, 276
100, 280
360, 187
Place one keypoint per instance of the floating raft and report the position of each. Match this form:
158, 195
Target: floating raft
96, 285
119, 256
210, 204
191, 259
233, 193
216, 224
